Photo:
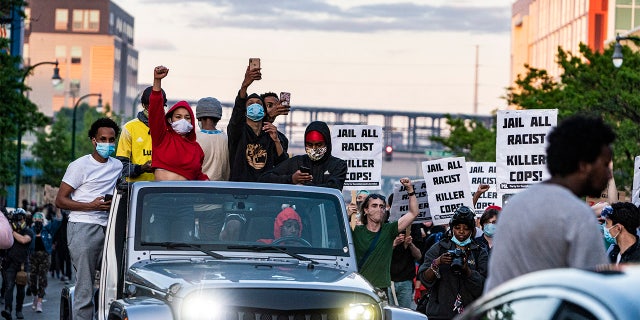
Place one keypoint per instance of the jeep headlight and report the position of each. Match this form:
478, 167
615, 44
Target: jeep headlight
361, 311
203, 307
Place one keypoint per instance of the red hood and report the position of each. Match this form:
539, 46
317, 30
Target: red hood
183, 104
283, 216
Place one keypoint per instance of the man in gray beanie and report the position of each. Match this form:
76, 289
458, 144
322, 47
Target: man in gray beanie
214, 142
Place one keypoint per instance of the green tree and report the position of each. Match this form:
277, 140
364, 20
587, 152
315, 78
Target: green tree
17, 113
469, 139
589, 84
50, 151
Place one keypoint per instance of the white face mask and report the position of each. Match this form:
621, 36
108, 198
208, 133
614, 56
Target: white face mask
181, 126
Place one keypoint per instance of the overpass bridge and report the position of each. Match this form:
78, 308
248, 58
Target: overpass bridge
407, 132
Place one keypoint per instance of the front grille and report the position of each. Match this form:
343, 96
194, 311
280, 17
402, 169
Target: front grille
265, 314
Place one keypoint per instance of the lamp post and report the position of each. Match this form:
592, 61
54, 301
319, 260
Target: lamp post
73, 125
55, 80
617, 57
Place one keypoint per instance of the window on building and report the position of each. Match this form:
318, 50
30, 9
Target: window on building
62, 19
61, 53
27, 18
76, 54
86, 20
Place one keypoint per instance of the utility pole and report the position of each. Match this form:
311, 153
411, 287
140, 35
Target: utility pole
475, 83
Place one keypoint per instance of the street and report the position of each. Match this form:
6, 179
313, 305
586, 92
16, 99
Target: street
50, 305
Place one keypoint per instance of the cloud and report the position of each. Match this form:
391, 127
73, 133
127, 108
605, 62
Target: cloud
318, 15
155, 44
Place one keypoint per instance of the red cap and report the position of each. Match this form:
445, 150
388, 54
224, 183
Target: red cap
493, 207
314, 136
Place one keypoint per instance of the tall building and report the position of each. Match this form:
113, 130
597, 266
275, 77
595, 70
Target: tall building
93, 43
539, 27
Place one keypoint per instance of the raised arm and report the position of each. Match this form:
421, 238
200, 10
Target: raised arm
406, 220
157, 123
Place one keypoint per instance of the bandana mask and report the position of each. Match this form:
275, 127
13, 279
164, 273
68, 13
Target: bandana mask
255, 112
181, 126
315, 154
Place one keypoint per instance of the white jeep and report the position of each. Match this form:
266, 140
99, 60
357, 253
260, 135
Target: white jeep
207, 250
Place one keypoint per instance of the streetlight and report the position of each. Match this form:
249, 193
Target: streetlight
73, 125
617, 49
55, 80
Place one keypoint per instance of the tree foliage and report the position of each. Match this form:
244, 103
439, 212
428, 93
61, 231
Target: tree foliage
470, 139
589, 84
17, 113
51, 151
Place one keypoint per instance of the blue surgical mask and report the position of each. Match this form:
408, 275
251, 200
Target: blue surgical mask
607, 235
105, 149
489, 229
461, 243
255, 112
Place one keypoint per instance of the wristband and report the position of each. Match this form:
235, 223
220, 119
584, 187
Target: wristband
412, 193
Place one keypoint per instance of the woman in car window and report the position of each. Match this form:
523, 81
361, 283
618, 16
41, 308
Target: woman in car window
454, 269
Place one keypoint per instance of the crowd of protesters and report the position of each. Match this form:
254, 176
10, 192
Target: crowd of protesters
436, 269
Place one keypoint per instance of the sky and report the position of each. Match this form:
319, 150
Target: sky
364, 54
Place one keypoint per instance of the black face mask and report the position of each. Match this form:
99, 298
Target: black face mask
37, 227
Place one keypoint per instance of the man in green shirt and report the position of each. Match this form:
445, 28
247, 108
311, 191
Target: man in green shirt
373, 239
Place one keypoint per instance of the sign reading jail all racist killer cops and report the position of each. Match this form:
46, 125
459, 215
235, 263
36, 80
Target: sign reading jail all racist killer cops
400, 205
521, 158
447, 184
483, 173
361, 146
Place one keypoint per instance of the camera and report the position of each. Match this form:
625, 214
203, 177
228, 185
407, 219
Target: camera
457, 262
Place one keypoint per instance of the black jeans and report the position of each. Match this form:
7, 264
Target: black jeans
11, 271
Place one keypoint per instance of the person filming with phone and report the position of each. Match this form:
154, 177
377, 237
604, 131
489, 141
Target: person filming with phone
315, 168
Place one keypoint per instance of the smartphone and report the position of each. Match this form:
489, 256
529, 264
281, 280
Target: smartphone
304, 169
107, 197
285, 99
254, 63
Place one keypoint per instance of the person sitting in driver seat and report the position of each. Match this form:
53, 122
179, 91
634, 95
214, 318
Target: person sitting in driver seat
287, 228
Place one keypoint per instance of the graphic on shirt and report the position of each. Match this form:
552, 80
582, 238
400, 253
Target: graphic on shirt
256, 156
139, 139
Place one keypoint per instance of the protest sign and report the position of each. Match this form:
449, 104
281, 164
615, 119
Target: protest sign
483, 173
521, 149
447, 184
400, 205
50, 194
361, 146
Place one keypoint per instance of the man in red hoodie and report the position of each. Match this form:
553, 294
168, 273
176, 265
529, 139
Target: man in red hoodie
287, 229
176, 153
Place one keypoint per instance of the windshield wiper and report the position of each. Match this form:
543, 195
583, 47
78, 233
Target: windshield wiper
258, 248
178, 245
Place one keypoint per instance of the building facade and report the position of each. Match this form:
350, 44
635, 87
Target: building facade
93, 44
539, 27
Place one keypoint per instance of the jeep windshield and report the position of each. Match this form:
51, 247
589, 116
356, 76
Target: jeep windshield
232, 219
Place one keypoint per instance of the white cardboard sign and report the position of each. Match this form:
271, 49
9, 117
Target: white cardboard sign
361, 146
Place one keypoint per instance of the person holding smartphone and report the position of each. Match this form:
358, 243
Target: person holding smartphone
254, 144
317, 167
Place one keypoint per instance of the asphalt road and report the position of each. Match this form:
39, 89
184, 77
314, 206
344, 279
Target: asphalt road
50, 305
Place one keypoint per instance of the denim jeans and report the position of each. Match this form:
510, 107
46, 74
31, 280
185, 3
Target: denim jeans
404, 293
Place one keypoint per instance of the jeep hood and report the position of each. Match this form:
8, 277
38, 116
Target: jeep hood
243, 274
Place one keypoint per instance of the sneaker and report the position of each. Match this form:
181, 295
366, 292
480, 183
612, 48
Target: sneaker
19, 315
39, 307
35, 303
6, 314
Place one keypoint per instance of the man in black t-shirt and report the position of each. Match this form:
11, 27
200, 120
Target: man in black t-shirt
15, 261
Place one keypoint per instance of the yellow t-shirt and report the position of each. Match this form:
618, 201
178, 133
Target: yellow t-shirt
135, 144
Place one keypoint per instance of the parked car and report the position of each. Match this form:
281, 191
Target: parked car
563, 294
209, 250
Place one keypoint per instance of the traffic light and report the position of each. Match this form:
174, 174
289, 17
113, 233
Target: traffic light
388, 153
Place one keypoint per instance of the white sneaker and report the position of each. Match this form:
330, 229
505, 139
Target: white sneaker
39, 307
35, 302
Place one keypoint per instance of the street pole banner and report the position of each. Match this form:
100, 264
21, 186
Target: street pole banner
447, 187
521, 149
635, 194
400, 204
483, 173
361, 146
